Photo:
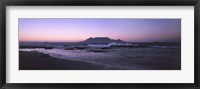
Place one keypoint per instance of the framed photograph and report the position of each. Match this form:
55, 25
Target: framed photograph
95, 43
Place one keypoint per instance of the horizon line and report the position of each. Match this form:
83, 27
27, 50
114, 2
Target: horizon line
82, 41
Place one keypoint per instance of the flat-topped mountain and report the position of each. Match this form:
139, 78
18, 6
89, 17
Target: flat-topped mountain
101, 40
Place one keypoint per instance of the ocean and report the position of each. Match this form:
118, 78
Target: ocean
151, 56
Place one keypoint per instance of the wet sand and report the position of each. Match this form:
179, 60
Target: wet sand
40, 61
154, 59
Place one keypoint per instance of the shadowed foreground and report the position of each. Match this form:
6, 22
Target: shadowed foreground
116, 59
39, 61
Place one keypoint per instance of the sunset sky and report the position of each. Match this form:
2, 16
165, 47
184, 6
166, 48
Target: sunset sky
79, 29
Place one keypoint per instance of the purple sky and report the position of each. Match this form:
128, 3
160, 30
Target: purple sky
79, 29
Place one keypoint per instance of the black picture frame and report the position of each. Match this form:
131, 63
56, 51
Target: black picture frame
4, 3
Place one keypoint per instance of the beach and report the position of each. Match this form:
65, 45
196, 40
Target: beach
40, 61
99, 44
112, 59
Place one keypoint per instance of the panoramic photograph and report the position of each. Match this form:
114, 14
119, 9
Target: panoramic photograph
99, 44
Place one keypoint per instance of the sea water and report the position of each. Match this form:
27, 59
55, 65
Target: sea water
119, 58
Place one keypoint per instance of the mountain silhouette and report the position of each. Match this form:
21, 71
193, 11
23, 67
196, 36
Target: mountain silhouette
101, 40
